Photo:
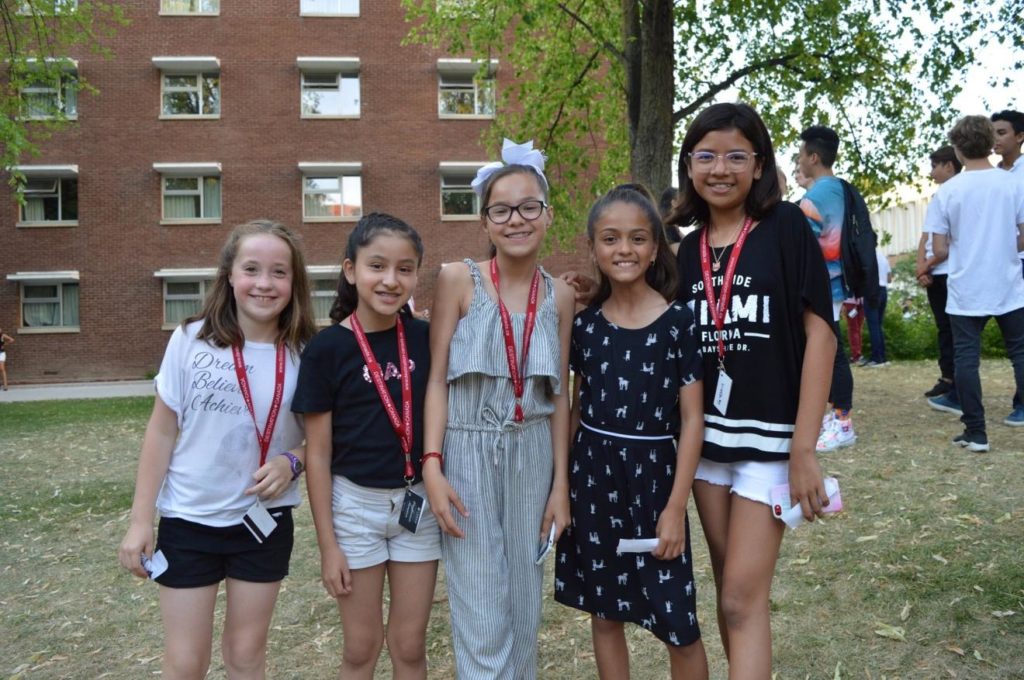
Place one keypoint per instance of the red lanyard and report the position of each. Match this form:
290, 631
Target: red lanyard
510, 343
403, 426
275, 404
718, 308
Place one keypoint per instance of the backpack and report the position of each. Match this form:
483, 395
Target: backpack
857, 248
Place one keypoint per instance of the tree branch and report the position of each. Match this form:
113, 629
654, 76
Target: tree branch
731, 80
615, 51
561, 107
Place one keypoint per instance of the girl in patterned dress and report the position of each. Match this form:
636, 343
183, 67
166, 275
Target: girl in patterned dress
638, 379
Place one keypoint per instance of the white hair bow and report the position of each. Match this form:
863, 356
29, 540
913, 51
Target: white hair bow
511, 154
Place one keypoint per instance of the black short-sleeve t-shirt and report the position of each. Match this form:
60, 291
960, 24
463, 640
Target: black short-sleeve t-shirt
780, 273
333, 377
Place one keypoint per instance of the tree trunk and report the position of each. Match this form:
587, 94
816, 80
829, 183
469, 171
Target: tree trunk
651, 93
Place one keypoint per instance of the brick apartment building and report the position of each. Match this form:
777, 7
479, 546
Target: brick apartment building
211, 113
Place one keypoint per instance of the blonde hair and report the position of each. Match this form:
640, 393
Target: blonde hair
220, 315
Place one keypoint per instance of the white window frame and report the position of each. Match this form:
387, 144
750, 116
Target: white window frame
197, 87
204, 277
63, 93
329, 273
308, 13
449, 171
189, 13
47, 173
338, 171
200, 172
40, 279
340, 69
453, 74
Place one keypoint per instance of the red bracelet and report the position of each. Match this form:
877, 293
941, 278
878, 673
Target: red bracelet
432, 454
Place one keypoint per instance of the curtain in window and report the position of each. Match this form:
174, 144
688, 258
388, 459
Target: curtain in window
176, 311
181, 207
71, 99
34, 210
322, 306
69, 299
41, 314
211, 197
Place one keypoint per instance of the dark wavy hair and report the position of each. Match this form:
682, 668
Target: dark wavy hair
367, 229
219, 313
663, 274
765, 192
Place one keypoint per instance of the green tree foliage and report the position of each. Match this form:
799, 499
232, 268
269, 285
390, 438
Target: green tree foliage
38, 87
607, 87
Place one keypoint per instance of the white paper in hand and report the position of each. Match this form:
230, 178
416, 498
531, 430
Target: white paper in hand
636, 545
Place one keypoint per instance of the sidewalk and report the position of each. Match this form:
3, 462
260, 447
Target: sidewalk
96, 390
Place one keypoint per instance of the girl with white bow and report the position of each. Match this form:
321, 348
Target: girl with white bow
497, 408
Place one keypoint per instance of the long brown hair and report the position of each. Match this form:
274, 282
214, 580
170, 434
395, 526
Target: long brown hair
219, 314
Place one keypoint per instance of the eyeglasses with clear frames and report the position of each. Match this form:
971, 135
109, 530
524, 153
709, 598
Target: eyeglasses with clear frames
528, 210
734, 160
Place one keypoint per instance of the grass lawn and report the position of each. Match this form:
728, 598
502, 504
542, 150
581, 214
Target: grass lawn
921, 576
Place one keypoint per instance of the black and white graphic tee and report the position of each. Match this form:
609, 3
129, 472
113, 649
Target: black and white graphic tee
334, 377
780, 273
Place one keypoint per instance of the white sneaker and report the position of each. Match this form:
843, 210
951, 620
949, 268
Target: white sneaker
839, 434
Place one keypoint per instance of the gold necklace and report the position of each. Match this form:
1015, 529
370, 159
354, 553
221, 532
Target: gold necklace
716, 258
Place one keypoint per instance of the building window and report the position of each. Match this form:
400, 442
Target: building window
49, 305
332, 198
192, 94
330, 94
50, 200
465, 89
191, 198
457, 196
183, 299
329, 8
323, 292
46, 98
190, 7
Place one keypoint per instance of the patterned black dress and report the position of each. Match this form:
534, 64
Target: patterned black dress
621, 471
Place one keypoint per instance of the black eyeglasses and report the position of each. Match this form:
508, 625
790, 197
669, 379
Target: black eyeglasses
528, 210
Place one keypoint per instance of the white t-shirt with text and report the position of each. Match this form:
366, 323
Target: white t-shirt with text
217, 451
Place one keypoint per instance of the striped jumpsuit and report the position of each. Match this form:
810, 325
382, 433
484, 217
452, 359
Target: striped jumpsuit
502, 471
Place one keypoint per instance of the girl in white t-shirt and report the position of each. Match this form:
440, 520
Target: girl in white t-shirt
221, 455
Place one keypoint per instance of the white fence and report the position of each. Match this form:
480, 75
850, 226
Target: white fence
903, 222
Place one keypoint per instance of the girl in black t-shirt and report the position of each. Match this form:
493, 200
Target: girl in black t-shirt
361, 387
768, 354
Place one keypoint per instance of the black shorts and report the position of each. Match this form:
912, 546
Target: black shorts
199, 555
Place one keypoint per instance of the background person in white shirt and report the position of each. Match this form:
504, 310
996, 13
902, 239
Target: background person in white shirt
1009, 127
979, 225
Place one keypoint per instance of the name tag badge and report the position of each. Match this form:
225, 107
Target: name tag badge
412, 510
722, 392
154, 567
259, 522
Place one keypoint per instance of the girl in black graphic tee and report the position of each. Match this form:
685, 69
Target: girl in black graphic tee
768, 350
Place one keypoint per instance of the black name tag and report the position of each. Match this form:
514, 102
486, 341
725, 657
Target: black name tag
412, 510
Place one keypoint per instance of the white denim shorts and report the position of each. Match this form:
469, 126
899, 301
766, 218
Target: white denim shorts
749, 479
3, 357
366, 526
